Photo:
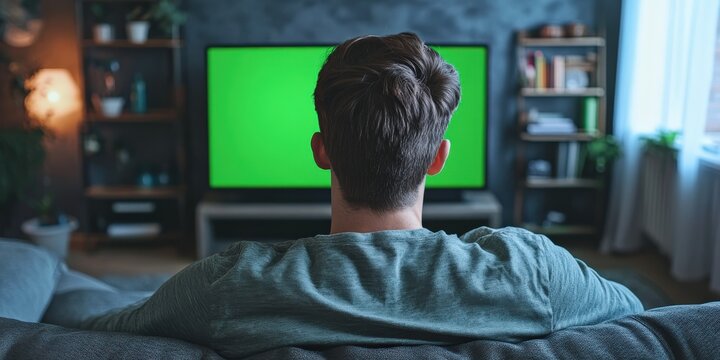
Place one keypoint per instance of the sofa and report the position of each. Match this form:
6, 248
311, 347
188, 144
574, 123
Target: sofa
32, 292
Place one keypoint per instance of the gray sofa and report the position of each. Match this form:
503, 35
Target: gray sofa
27, 284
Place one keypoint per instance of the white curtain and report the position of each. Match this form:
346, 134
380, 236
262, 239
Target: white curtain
665, 69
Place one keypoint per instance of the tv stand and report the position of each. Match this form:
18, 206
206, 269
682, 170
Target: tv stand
483, 205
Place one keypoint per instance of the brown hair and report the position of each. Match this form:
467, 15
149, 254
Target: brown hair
383, 104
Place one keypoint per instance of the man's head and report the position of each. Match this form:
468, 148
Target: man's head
383, 103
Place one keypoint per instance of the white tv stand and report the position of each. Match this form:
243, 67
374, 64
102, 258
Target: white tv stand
482, 205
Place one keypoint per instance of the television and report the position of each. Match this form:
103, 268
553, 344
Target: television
261, 117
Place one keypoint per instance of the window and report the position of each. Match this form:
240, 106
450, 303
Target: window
712, 124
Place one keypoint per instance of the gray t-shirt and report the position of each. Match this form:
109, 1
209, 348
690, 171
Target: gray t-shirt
389, 287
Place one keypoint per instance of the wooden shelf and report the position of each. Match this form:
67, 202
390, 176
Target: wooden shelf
163, 115
562, 230
533, 92
559, 137
563, 183
133, 192
150, 43
589, 41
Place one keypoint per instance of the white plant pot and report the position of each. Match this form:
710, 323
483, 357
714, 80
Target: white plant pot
137, 31
55, 238
103, 33
112, 106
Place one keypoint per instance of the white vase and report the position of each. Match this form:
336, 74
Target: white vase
55, 238
103, 33
112, 106
137, 31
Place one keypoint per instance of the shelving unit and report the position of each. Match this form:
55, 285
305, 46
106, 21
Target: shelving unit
153, 141
549, 190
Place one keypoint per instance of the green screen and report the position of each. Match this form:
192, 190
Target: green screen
261, 117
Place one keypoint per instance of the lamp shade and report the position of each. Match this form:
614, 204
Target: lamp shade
53, 95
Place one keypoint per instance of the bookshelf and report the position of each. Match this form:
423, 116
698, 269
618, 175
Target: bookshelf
562, 95
135, 174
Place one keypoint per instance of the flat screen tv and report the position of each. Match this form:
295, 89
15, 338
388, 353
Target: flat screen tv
261, 117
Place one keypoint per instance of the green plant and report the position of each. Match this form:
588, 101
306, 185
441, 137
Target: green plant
21, 146
168, 15
663, 141
21, 157
603, 151
47, 212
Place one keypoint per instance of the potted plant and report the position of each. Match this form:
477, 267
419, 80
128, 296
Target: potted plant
664, 142
601, 151
105, 97
51, 229
138, 25
22, 154
165, 13
103, 31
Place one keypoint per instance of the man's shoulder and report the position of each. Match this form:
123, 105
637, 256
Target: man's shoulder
510, 243
512, 236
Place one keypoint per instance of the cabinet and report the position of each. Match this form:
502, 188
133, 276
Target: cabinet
483, 206
561, 108
133, 163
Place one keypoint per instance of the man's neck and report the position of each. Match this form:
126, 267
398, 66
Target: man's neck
345, 218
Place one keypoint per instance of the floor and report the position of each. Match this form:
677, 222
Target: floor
131, 260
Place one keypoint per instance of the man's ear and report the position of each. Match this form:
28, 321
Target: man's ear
318, 149
440, 158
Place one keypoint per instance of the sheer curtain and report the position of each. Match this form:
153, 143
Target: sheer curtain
665, 68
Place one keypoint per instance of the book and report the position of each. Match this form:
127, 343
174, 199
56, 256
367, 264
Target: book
562, 160
559, 72
540, 81
551, 129
573, 156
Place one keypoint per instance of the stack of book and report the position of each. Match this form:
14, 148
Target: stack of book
550, 124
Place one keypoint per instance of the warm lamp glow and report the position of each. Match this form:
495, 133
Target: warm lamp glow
53, 95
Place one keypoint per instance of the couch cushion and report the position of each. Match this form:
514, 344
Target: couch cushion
79, 297
21, 340
28, 275
70, 309
680, 332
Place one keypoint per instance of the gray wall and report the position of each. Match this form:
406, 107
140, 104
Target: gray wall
490, 21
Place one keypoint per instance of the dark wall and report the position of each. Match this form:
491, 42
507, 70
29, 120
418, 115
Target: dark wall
489, 21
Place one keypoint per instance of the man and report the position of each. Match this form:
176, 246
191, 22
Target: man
383, 105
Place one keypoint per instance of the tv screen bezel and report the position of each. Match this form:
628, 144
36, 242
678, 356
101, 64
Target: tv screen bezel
322, 194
